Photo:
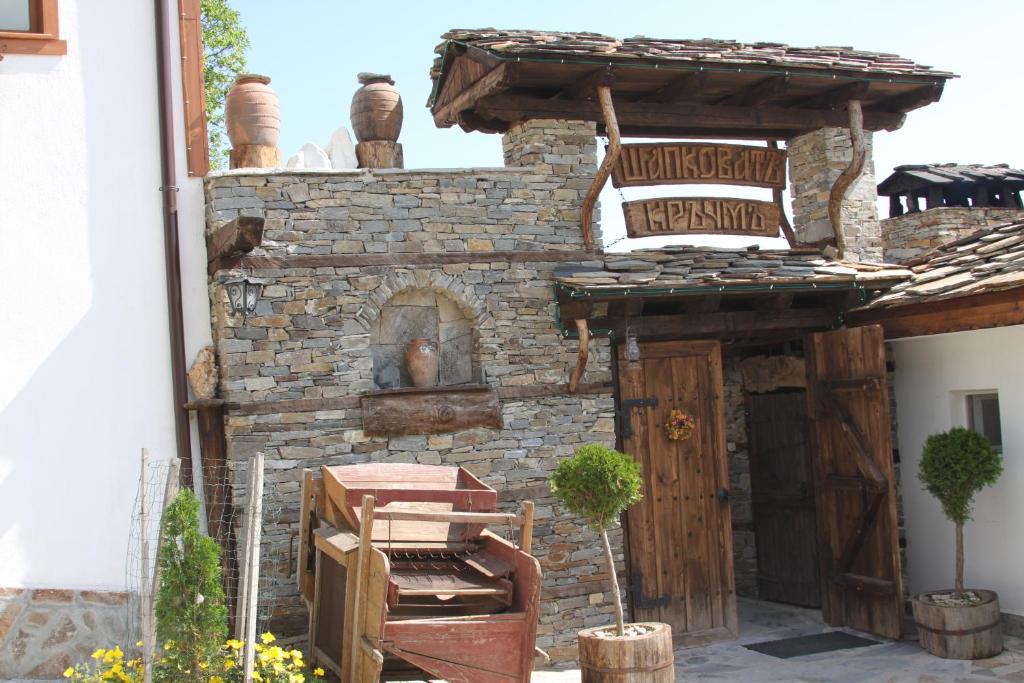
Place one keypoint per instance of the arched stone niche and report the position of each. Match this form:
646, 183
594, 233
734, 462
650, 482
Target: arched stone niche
423, 312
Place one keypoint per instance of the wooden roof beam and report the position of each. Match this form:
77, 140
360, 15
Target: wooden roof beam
586, 87
913, 99
762, 91
688, 86
835, 98
682, 117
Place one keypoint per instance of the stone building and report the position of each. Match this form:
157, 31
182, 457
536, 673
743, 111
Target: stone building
493, 265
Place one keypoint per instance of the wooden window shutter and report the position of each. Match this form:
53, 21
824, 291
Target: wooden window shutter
193, 92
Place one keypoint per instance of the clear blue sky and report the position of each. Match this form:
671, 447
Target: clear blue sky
313, 49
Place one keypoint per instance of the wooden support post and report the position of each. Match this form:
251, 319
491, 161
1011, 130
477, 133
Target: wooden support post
581, 358
611, 157
254, 156
380, 154
252, 553
526, 530
849, 175
148, 637
787, 229
362, 560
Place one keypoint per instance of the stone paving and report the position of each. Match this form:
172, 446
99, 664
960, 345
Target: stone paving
887, 662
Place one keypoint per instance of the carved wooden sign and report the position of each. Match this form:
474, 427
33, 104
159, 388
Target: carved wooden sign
702, 215
691, 163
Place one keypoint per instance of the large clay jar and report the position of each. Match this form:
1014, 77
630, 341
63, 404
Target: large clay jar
376, 109
422, 361
252, 112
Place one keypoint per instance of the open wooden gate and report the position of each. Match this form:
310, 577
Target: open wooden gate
848, 403
680, 534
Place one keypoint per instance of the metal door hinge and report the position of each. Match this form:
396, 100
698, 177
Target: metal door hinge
625, 419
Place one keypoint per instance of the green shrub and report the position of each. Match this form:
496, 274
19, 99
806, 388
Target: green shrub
954, 466
598, 484
191, 618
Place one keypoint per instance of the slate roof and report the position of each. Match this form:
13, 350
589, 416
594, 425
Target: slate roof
947, 174
989, 260
581, 45
708, 267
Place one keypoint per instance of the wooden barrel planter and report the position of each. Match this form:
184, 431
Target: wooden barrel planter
960, 632
643, 658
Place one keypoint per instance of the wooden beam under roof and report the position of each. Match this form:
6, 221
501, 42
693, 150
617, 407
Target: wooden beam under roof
682, 119
913, 99
735, 324
974, 312
836, 97
586, 88
494, 81
770, 88
688, 86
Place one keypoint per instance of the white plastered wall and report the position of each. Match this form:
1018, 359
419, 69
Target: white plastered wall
932, 375
85, 376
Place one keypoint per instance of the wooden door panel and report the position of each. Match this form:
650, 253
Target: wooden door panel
782, 490
848, 401
680, 536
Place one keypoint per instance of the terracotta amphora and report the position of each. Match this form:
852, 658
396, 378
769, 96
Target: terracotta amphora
252, 112
376, 109
422, 361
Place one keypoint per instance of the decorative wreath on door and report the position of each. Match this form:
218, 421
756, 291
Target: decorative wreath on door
680, 425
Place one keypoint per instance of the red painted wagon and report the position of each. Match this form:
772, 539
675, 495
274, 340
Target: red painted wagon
403, 579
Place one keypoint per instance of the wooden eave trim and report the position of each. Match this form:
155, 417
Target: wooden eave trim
494, 81
959, 314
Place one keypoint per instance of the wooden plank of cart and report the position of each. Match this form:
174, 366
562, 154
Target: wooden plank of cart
403, 578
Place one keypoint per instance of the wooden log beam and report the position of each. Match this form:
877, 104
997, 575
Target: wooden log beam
914, 99
611, 157
849, 175
234, 239
586, 87
764, 90
736, 324
430, 412
581, 359
687, 86
777, 197
682, 117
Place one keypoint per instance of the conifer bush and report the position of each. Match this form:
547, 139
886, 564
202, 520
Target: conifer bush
598, 484
954, 466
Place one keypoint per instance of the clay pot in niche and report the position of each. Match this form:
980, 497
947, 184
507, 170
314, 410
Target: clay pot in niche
252, 112
376, 109
422, 361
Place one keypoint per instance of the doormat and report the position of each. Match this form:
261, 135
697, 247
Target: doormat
787, 648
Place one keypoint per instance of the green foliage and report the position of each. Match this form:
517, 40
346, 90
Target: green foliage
955, 465
597, 483
191, 618
224, 44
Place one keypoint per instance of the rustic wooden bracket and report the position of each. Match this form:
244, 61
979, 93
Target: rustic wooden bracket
611, 157
228, 243
581, 358
849, 175
787, 229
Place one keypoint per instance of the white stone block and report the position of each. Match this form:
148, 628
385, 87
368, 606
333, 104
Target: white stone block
341, 151
309, 157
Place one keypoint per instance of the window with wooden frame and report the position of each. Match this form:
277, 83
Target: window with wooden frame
30, 27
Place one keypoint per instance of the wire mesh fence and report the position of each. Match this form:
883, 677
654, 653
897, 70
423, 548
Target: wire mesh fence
224, 498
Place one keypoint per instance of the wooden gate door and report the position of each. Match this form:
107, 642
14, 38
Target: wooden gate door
680, 535
782, 487
848, 401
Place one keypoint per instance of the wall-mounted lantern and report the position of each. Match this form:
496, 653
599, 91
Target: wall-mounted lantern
243, 293
632, 346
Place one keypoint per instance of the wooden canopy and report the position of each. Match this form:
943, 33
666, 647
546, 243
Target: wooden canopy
487, 79
973, 185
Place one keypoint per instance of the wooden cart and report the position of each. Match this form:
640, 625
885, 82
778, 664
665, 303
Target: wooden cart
402, 578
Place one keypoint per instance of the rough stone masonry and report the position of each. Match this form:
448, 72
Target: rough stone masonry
312, 339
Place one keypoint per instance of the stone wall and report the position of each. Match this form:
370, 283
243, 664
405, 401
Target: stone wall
44, 631
910, 235
311, 339
744, 547
815, 162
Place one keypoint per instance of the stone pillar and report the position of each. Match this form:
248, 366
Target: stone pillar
563, 157
815, 162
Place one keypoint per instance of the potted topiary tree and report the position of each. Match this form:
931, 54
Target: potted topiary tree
959, 624
598, 484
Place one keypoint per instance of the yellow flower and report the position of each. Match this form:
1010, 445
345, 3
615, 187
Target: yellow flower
318, 671
69, 672
99, 654
267, 638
